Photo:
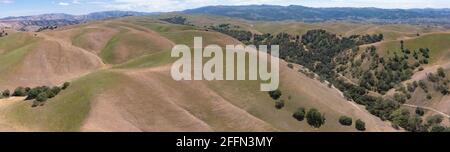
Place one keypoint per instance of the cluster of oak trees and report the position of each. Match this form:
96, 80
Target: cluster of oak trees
176, 20
39, 95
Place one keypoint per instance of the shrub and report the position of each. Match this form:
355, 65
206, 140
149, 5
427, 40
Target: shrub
279, 104
65, 85
420, 111
346, 121
429, 97
408, 96
56, 90
20, 92
411, 87
42, 97
400, 117
315, 118
50, 94
434, 120
32, 94
360, 125
274, 94
6, 93
299, 114
290, 66
399, 98
37, 103
423, 85
438, 128
441, 72
27, 89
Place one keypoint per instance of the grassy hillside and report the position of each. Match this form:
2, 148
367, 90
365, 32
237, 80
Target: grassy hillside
138, 94
67, 111
437, 43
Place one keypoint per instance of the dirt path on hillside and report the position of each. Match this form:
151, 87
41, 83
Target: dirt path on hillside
428, 108
402, 38
420, 75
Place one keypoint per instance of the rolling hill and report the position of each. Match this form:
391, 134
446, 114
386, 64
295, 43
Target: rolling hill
120, 74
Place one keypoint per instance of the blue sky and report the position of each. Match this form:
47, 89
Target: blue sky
32, 7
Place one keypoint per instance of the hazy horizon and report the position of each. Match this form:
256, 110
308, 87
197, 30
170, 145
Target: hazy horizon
80, 7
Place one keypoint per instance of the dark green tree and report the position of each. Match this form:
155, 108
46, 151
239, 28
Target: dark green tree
360, 125
420, 111
400, 117
6, 93
441, 72
56, 90
274, 94
279, 104
300, 114
315, 118
346, 121
42, 97
65, 85
20, 92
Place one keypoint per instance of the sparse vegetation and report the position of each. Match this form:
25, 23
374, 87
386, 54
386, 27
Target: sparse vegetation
439, 128
434, 120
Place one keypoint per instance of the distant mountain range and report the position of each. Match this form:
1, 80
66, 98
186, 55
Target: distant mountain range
33, 23
253, 12
309, 14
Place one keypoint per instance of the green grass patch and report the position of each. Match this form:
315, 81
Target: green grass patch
14, 41
147, 61
437, 43
163, 28
11, 59
107, 54
79, 39
68, 110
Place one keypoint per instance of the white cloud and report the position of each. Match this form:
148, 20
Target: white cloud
6, 1
63, 4
76, 2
